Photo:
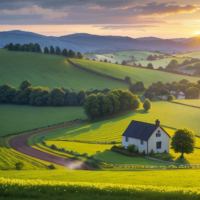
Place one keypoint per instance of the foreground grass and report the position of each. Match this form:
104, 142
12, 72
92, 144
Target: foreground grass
15, 188
49, 71
173, 178
136, 74
15, 118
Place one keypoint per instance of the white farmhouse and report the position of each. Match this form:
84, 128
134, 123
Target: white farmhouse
178, 95
146, 137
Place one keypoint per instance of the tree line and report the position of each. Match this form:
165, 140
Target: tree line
99, 105
191, 90
36, 48
42, 96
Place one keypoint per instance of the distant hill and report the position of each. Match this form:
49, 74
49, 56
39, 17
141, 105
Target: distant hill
101, 44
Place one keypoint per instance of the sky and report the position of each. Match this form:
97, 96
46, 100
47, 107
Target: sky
132, 18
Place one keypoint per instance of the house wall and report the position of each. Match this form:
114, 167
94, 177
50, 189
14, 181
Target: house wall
164, 138
136, 142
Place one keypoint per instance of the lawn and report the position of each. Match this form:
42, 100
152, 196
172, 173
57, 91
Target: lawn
49, 71
15, 118
136, 74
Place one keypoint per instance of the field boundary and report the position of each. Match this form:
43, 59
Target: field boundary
95, 72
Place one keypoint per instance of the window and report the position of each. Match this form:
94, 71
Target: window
158, 145
126, 138
142, 142
158, 134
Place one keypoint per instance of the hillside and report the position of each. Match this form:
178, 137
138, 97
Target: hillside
99, 44
136, 74
191, 55
49, 71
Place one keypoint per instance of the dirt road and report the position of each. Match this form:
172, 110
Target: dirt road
19, 144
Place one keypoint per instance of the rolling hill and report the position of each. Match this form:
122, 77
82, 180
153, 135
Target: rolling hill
49, 71
99, 44
136, 74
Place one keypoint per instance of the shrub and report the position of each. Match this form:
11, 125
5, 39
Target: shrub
147, 104
19, 165
43, 143
143, 153
52, 166
54, 147
152, 152
91, 163
131, 148
171, 97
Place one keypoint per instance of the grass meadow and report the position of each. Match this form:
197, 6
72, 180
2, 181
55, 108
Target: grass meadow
192, 54
161, 62
136, 74
15, 118
49, 71
112, 129
191, 102
39, 189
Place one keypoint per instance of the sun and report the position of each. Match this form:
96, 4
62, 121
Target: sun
198, 33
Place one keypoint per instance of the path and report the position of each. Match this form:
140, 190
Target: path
19, 144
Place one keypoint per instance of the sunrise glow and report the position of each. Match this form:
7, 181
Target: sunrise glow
198, 33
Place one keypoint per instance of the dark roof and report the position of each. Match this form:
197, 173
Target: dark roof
140, 130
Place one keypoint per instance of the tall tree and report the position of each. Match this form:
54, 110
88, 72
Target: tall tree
183, 141
79, 55
150, 66
46, 50
71, 53
64, 52
52, 50
10, 47
58, 51
57, 97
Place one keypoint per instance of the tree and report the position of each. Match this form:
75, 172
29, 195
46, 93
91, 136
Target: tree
72, 99
79, 55
137, 87
150, 57
171, 97
71, 53
192, 93
37, 48
7, 93
46, 50
57, 97
147, 105
183, 81
91, 106
81, 95
58, 51
10, 47
52, 50
105, 60
183, 141
64, 52
173, 64
150, 66
24, 84
17, 47
123, 62
164, 92
6, 46
159, 85
105, 105
128, 80
20, 97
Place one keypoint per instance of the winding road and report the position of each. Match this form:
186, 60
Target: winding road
19, 144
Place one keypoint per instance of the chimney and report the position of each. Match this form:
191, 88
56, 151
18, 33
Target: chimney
157, 122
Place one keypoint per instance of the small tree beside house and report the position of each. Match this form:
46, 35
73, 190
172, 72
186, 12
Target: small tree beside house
183, 141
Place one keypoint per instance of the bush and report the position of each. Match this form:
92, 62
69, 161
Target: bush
52, 166
43, 143
91, 163
147, 104
171, 97
131, 148
152, 152
19, 165
54, 147
143, 153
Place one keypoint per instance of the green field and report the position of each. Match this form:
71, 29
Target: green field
15, 118
170, 115
192, 54
191, 102
120, 56
49, 71
160, 63
136, 74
